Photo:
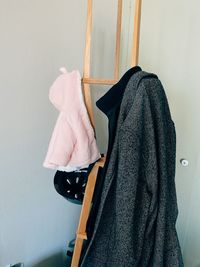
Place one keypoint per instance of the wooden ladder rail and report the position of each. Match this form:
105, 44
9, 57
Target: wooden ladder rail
81, 234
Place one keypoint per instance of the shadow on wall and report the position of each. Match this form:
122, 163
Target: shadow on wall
56, 260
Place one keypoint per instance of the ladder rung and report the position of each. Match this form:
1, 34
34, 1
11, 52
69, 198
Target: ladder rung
98, 81
82, 236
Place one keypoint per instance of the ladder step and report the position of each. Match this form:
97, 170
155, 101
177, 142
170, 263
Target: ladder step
82, 236
99, 81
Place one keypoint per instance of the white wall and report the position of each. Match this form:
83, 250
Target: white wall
170, 42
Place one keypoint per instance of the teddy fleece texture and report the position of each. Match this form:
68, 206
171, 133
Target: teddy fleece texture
72, 143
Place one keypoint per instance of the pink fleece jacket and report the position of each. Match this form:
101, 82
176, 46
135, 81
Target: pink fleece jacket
72, 142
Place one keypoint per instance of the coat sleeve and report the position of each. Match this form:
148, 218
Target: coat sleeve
166, 250
150, 150
138, 172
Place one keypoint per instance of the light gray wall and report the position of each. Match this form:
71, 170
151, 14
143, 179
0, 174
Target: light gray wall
36, 39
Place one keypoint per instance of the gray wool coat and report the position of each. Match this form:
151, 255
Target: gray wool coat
135, 225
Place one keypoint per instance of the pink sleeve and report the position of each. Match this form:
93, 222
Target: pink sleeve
61, 145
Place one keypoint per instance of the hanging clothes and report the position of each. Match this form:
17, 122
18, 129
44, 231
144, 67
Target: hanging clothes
109, 104
135, 224
72, 145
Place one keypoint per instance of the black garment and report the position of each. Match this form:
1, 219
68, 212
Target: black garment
71, 185
135, 224
109, 104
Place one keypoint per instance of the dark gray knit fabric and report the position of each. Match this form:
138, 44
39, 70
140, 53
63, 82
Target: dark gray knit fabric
135, 225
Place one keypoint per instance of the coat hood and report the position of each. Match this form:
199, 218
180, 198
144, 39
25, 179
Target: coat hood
65, 93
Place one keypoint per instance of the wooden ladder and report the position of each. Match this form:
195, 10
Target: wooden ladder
81, 234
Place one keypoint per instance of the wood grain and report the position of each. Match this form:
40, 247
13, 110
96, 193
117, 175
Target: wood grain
86, 69
136, 33
99, 81
118, 39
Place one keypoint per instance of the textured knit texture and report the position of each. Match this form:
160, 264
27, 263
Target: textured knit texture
135, 225
72, 144
109, 104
